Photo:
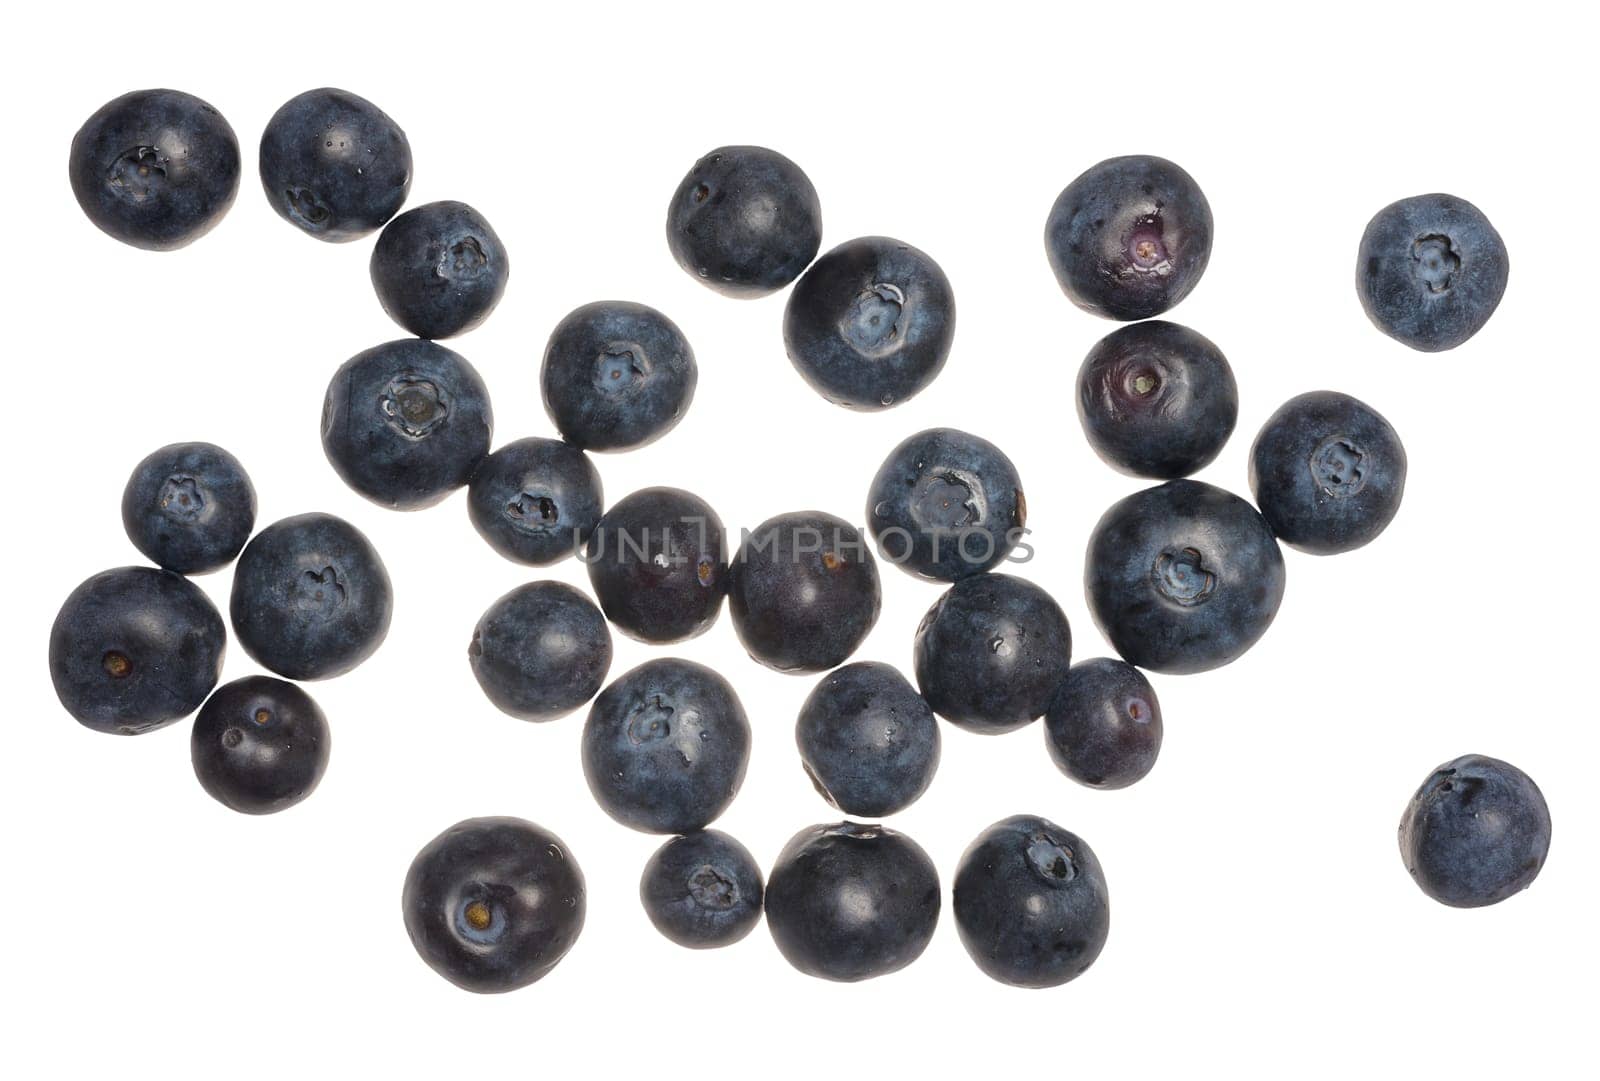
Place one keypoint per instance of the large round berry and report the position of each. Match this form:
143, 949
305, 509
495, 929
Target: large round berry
541, 651
1476, 832
135, 649
870, 324
405, 423
868, 740
1130, 237
334, 165
535, 500
617, 376
439, 269
155, 168
1103, 727
658, 563
189, 507
945, 505
259, 745
702, 890
493, 904
1183, 577
745, 221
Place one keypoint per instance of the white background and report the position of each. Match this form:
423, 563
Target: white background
1262, 921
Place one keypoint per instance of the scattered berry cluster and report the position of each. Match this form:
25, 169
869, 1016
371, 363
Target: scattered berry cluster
1181, 577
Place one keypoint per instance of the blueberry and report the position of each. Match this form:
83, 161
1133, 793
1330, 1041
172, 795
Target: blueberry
803, 591
745, 221
991, 652
702, 890
259, 745
1130, 237
1327, 472
665, 747
405, 423
870, 324
657, 562
311, 599
849, 901
1103, 728
1031, 903
617, 376
493, 904
439, 269
1431, 271
945, 505
1157, 400
535, 500
334, 165
1183, 577
1475, 833
541, 651
134, 649
868, 741
155, 168
189, 507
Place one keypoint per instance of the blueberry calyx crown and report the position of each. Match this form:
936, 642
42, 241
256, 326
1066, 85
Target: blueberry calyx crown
1050, 859
1182, 578
1437, 261
1338, 466
415, 406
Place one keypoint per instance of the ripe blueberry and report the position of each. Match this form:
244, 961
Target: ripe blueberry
259, 745
803, 591
541, 651
1103, 728
535, 500
870, 324
405, 423
1157, 400
1431, 271
745, 221
1031, 903
991, 652
945, 505
439, 269
155, 168
135, 649
658, 565
1183, 577
311, 599
334, 165
1129, 238
189, 507
493, 904
665, 747
617, 376
1476, 832
702, 890
868, 740
1327, 472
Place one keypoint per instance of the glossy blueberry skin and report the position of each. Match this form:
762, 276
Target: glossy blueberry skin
155, 168
868, 740
541, 651
311, 599
189, 507
702, 890
1327, 472
1103, 728
1157, 400
945, 505
334, 165
745, 221
259, 745
134, 649
803, 591
991, 652
536, 501
658, 564
439, 269
848, 901
493, 904
1129, 238
617, 376
1031, 903
1431, 271
1183, 577
870, 324
665, 747
1475, 833
406, 423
